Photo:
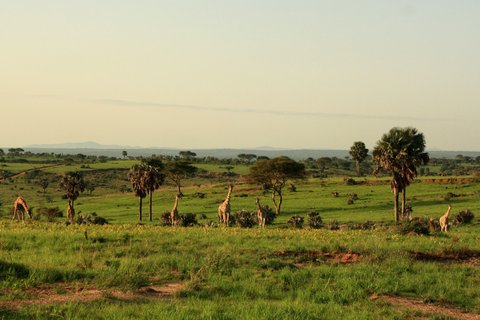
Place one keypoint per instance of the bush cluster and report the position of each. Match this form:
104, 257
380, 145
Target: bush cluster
465, 216
245, 219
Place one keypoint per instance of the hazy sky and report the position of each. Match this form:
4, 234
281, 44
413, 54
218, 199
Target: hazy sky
246, 73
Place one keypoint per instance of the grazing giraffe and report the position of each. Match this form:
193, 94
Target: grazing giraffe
174, 217
261, 214
19, 209
224, 208
444, 220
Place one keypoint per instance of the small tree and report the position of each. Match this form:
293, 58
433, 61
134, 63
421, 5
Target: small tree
187, 155
178, 170
273, 175
247, 157
358, 152
73, 184
124, 154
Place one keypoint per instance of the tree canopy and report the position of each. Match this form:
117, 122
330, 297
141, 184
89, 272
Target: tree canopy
400, 152
273, 175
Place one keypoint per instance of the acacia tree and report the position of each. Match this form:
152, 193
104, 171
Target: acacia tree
178, 170
153, 179
273, 175
136, 175
358, 152
247, 157
73, 184
399, 152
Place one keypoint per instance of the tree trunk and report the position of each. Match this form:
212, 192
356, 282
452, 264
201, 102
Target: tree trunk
140, 209
150, 213
278, 206
404, 202
395, 205
72, 217
358, 167
178, 188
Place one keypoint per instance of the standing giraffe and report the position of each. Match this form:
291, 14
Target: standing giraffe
444, 220
19, 209
70, 212
174, 217
224, 208
261, 214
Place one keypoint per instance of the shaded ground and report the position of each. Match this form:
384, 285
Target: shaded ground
418, 305
301, 258
464, 256
50, 295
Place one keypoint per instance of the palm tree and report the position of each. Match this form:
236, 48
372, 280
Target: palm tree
154, 178
358, 152
73, 184
136, 175
400, 151
413, 156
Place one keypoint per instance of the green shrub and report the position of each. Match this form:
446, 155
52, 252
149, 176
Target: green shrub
245, 219
166, 218
296, 222
314, 220
271, 215
465, 216
334, 225
416, 225
50, 213
188, 220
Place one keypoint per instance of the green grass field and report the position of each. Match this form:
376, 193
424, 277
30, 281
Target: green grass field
234, 273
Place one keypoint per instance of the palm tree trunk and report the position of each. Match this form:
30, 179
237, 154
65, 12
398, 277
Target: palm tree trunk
150, 213
140, 209
404, 202
395, 205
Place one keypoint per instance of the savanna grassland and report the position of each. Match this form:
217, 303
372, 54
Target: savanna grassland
349, 269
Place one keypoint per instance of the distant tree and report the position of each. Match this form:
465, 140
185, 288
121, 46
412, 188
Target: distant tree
124, 154
44, 184
400, 151
154, 178
187, 155
90, 187
358, 152
263, 158
15, 151
2, 152
73, 184
246, 157
178, 170
273, 175
136, 175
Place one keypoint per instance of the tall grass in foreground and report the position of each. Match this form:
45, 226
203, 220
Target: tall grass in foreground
232, 273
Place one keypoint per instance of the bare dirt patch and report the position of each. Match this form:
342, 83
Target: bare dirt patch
302, 258
408, 303
463, 256
50, 295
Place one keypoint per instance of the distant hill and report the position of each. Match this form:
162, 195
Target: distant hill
78, 145
92, 148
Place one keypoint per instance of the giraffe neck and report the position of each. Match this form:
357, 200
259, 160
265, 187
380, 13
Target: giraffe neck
448, 212
175, 205
227, 200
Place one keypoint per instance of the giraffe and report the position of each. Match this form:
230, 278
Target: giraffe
444, 220
174, 217
261, 214
70, 212
19, 209
224, 208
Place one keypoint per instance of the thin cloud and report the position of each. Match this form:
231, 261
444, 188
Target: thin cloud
130, 103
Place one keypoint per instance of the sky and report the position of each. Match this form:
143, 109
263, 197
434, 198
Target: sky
237, 74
